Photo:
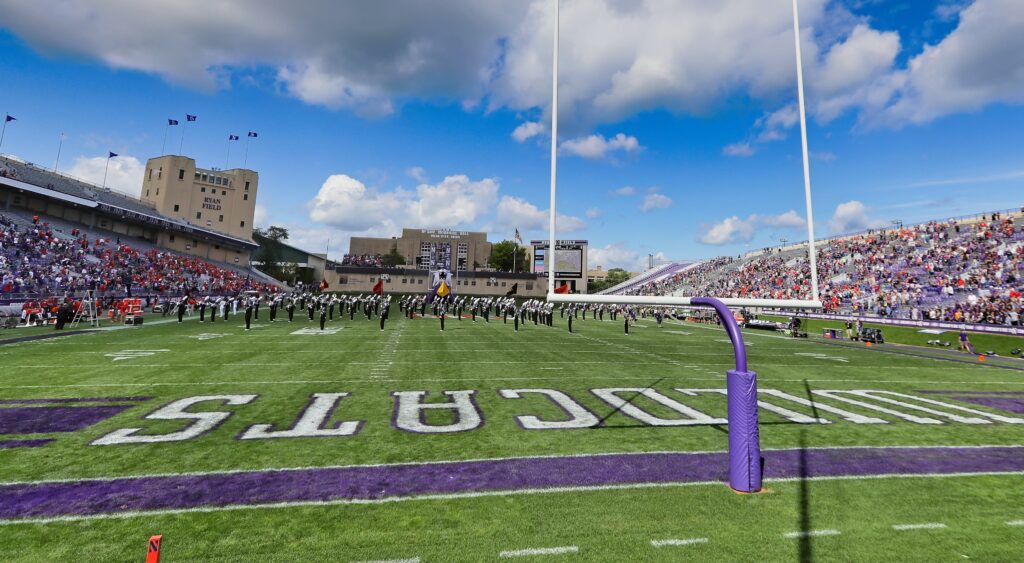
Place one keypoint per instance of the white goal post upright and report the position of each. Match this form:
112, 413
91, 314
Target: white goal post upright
745, 461
675, 301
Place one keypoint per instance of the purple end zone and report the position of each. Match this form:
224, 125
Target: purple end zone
72, 400
391, 481
43, 420
1009, 404
25, 443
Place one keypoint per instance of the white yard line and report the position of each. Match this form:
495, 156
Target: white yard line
673, 543
925, 526
531, 552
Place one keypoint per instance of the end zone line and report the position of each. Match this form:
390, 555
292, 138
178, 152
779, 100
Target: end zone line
925, 526
691, 541
539, 551
550, 456
455, 496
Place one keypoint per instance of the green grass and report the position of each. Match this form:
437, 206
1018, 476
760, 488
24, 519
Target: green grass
284, 369
1000, 344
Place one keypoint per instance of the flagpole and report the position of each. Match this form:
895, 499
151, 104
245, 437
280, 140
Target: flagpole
163, 146
245, 161
60, 145
3, 132
105, 168
227, 156
182, 142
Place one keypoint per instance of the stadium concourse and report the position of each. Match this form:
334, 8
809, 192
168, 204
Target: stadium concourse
946, 270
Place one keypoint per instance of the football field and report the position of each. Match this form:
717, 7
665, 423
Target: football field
479, 443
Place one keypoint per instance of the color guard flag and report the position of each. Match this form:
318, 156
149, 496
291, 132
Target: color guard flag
513, 291
172, 121
190, 117
252, 134
323, 284
378, 288
564, 288
232, 137
442, 290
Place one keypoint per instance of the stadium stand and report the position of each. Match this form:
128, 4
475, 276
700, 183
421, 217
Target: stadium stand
363, 260
41, 256
948, 270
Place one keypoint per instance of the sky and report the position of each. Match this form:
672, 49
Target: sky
678, 136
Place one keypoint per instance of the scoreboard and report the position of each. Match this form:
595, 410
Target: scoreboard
569, 258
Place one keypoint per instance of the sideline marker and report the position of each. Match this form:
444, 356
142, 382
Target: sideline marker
153, 552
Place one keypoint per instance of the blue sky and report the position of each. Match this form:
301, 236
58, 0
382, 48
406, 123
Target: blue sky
677, 132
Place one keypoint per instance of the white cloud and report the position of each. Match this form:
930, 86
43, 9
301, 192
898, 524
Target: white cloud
852, 216
260, 218
528, 130
823, 156
517, 213
654, 201
125, 173
625, 191
975, 65
348, 204
738, 149
597, 146
618, 59
616, 255
358, 55
619, 255
417, 173
734, 229
593, 213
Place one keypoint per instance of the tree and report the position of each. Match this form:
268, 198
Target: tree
393, 258
270, 252
502, 254
614, 277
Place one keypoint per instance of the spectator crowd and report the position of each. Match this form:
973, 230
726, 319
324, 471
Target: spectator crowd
941, 270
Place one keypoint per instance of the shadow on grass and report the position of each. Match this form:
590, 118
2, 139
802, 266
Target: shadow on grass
806, 550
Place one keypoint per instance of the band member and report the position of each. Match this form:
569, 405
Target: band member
202, 310
248, 314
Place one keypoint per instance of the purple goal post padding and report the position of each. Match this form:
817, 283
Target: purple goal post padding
744, 439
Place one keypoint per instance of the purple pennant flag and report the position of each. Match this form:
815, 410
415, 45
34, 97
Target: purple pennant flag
190, 117
172, 121
253, 134
112, 155
232, 137
10, 118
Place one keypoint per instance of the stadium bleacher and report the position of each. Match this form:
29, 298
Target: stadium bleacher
947, 270
42, 256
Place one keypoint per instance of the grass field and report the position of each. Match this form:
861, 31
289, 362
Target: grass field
876, 479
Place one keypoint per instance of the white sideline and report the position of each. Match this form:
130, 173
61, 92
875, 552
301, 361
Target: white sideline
456, 496
539, 551
691, 541
477, 379
413, 560
926, 526
1015, 523
810, 534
